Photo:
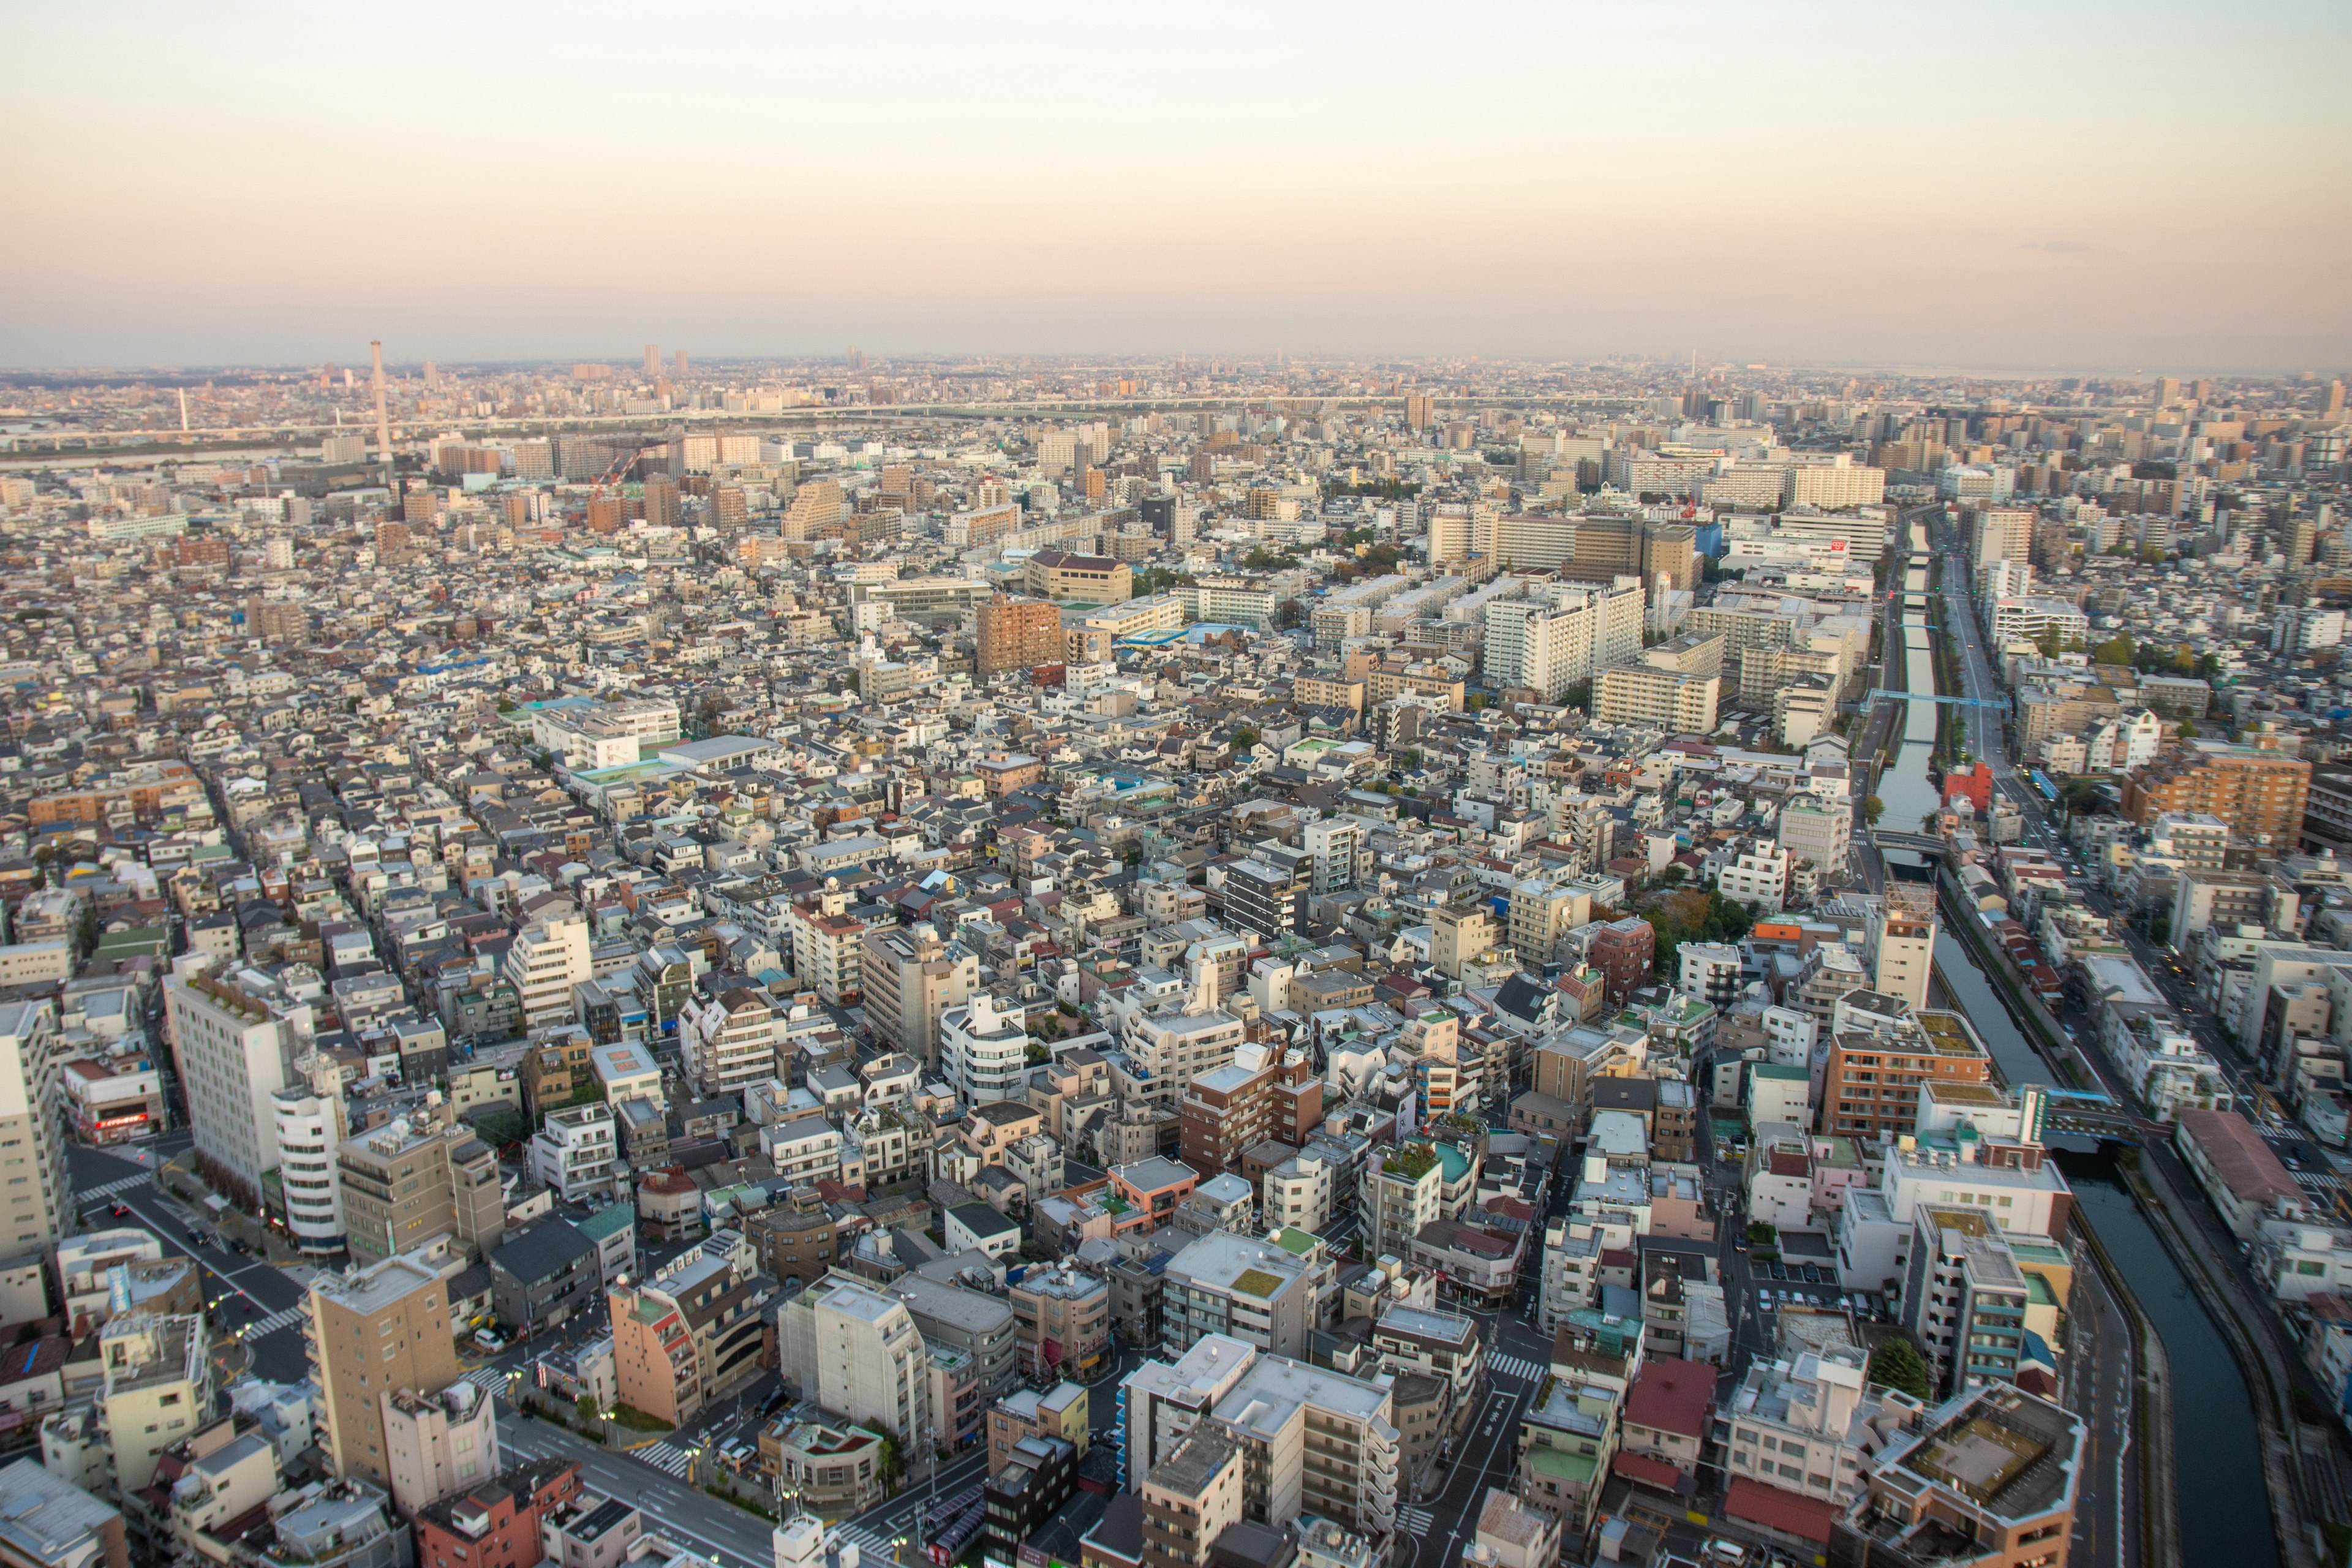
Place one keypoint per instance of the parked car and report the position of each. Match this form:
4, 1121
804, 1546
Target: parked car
487, 1342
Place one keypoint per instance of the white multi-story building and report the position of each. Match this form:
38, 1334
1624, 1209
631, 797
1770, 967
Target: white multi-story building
574, 1153
1315, 1441
1341, 852
2025, 620
1708, 970
1758, 875
1805, 1425
1817, 830
984, 1052
856, 1351
307, 1126
546, 960
729, 1041
440, 1442
1297, 1192
235, 1036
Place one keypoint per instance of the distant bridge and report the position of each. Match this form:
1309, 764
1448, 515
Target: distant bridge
1883, 695
1888, 838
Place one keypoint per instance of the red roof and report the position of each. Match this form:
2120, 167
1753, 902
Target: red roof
2237, 1155
1650, 1472
1806, 1517
1672, 1395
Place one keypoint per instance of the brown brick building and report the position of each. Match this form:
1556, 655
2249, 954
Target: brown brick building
1624, 951
1017, 634
1871, 1088
1226, 1110
496, 1522
2260, 795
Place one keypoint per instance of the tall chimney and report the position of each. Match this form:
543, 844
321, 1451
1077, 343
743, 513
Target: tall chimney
383, 424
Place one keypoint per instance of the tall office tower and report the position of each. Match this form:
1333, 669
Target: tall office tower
653, 360
855, 358
1420, 410
678, 365
661, 501
370, 1336
1902, 932
911, 978
235, 1038
1017, 634
31, 1115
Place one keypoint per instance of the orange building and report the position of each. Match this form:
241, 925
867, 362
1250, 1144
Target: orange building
1871, 1088
1017, 634
2260, 795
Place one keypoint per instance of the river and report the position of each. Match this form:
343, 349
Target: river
2224, 1503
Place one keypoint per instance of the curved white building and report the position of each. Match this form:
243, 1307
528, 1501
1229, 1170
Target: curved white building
986, 1054
307, 1127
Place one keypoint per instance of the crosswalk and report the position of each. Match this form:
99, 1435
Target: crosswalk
275, 1321
665, 1457
107, 1191
1518, 1368
488, 1379
1413, 1521
872, 1546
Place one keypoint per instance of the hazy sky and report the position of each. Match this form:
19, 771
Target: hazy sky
2074, 184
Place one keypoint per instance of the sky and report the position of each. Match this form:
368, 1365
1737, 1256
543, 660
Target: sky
2093, 186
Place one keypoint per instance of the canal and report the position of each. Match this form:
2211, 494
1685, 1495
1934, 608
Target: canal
2224, 1503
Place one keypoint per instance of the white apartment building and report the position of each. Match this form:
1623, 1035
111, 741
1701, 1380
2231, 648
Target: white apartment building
856, 1351
1166, 1051
1900, 936
2025, 619
157, 1390
1708, 970
1817, 830
1341, 852
1314, 1441
1805, 1425
307, 1126
984, 1052
1677, 700
1758, 875
436, 1444
1297, 1192
235, 1036
36, 1186
574, 1153
546, 960
729, 1041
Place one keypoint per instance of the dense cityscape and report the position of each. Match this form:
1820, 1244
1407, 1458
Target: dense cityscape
1174, 962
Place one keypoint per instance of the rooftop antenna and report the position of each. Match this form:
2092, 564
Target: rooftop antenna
383, 424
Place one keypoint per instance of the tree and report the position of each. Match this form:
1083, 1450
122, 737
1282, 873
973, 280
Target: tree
2188, 731
1897, 1364
1873, 808
1244, 738
2115, 650
1288, 613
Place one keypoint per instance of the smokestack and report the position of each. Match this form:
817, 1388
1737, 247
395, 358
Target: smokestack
383, 424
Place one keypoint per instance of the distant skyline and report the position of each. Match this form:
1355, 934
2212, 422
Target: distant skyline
2092, 188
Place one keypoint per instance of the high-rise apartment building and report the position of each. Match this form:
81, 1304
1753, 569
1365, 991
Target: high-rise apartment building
911, 979
438, 1443
1678, 701
2001, 534
369, 1336
235, 1038
308, 1126
1017, 634
33, 1115
1879, 1061
653, 360
2260, 795
691, 1330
